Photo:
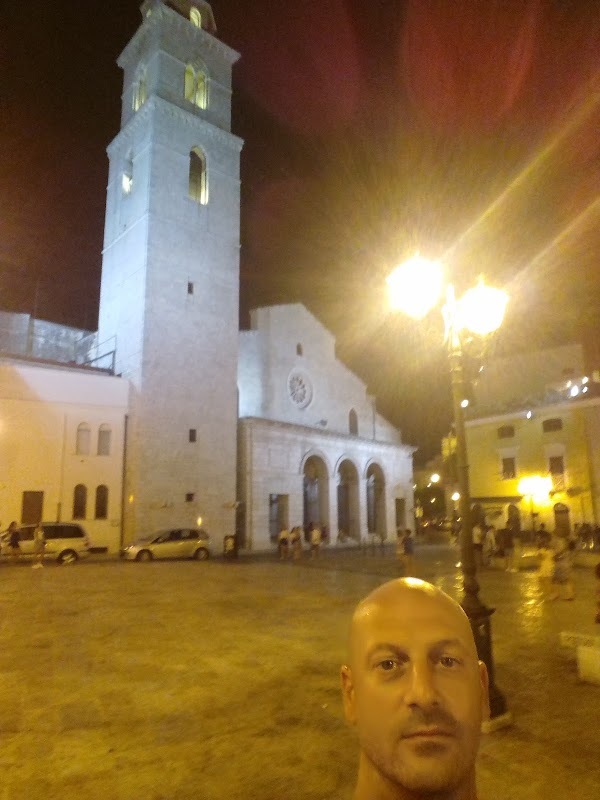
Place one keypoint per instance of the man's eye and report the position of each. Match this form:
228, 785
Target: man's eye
387, 664
449, 661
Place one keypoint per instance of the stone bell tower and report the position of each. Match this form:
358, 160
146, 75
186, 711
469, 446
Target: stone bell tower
170, 272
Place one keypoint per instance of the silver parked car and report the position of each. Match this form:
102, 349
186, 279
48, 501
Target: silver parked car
174, 543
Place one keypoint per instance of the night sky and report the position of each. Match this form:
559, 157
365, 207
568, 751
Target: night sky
468, 130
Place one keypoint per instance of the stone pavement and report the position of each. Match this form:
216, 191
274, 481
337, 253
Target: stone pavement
219, 681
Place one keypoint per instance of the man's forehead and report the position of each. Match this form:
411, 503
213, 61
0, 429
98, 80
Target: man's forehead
397, 612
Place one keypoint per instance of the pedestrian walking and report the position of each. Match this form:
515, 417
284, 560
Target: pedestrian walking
39, 545
489, 545
478, 544
14, 541
508, 545
296, 542
400, 548
315, 541
543, 536
409, 553
283, 542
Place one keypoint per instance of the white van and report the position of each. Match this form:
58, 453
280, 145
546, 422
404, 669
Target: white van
66, 542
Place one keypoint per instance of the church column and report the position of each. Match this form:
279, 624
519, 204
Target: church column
362, 509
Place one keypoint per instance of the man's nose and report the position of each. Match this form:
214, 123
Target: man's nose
421, 689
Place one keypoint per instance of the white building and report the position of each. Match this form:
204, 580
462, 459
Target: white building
309, 444
62, 433
312, 447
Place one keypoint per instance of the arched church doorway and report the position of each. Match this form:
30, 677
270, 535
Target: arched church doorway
562, 523
347, 501
316, 492
376, 523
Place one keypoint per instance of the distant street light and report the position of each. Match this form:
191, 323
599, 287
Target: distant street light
415, 288
435, 478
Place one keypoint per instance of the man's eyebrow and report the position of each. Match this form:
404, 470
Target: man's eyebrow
389, 646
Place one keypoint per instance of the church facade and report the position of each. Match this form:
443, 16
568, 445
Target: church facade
245, 432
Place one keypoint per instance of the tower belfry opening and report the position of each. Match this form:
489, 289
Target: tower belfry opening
198, 12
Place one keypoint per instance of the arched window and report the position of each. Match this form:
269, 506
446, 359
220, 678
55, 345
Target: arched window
140, 92
198, 185
79, 501
195, 17
82, 445
101, 511
196, 86
104, 434
353, 422
127, 177
190, 81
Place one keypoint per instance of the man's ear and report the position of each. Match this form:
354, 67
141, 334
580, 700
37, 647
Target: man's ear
348, 694
485, 691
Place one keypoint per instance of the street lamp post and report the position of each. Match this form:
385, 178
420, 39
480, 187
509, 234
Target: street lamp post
485, 321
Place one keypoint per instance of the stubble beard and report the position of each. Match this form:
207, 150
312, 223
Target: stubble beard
428, 769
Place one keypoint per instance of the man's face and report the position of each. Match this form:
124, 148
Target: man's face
415, 690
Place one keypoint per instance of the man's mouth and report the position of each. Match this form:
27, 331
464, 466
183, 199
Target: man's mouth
428, 733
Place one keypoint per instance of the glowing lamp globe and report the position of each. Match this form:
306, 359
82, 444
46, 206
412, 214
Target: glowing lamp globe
415, 286
536, 486
481, 309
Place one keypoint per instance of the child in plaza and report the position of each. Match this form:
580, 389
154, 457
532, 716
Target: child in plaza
545, 555
562, 583
39, 545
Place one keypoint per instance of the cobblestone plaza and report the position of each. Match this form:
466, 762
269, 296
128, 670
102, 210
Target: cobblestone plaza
219, 681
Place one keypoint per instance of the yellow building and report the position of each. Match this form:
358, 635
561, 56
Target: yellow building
557, 442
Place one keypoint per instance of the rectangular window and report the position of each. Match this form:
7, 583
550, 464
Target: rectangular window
506, 432
190, 287
189, 498
192, 434
32, 507
509, 469
549, 425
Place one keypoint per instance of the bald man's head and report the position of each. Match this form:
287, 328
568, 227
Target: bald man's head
414, 688
408, 597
